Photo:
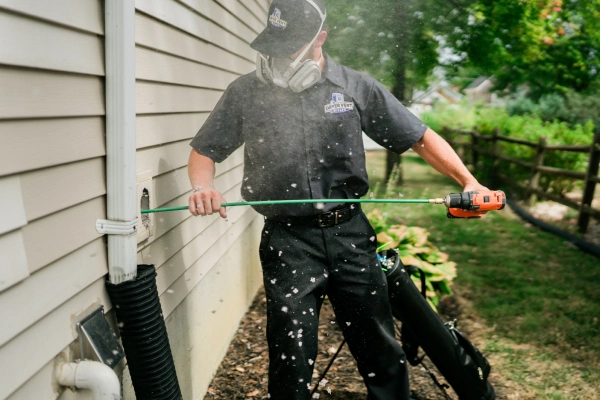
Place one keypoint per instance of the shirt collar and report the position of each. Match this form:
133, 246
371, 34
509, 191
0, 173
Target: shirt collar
332, 71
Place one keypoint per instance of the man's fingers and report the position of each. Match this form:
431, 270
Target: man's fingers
216, 204
193, 206
200, 207
206, 201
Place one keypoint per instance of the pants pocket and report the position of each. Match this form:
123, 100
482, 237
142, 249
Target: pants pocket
265, 250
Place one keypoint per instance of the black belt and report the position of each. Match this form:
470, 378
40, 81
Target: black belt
324, 220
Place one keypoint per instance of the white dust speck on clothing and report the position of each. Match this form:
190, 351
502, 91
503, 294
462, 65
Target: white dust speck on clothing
372, 374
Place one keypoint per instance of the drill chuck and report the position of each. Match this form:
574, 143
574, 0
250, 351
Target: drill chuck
463, 200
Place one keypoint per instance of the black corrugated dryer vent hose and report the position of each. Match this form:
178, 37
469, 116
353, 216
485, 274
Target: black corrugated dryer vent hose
144, 336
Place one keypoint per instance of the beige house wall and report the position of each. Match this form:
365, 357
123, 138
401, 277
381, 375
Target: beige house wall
53, 263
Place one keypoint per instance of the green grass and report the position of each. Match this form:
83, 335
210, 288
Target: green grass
530, 286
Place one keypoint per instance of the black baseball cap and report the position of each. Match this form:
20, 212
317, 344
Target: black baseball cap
290, 25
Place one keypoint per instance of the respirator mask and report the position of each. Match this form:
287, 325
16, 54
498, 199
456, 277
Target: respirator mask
294, 75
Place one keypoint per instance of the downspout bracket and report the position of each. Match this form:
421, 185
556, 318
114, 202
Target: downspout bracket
107, 227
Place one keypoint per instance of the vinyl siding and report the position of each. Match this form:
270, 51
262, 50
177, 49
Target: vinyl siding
187, 53
53, 263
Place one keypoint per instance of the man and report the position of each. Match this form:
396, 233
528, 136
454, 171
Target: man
301, 117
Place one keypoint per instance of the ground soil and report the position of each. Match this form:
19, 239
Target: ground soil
243, 372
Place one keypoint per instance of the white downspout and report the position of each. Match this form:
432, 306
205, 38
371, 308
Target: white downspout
121, 189
99, 378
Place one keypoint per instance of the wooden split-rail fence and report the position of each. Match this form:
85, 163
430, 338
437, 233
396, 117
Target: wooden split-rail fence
471, 152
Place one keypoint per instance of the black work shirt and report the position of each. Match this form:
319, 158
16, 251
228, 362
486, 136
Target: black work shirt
306, 145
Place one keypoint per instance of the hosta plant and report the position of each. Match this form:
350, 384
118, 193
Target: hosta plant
415, 249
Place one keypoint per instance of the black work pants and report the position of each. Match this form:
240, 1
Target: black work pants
301, 263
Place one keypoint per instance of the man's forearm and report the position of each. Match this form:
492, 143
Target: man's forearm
201, 171
204, 200
438, 153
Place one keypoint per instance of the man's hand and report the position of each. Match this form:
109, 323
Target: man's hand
475, 186
206, 202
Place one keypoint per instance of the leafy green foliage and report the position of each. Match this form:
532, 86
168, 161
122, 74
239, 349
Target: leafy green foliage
415, 249
574, 108
550, 46
393, 41
526, 127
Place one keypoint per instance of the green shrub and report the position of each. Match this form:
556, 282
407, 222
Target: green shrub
415, 249
527, 127
521, 105
573, 108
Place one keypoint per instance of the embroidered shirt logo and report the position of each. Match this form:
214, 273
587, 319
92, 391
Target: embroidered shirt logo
276, 21
338, 105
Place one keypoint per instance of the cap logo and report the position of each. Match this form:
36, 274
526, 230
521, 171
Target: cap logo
338, 105
275, 20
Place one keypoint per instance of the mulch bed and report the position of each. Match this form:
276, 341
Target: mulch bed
243, 372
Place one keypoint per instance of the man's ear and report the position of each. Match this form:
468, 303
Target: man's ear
320, 39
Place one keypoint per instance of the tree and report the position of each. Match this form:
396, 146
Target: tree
548, 46
394, 41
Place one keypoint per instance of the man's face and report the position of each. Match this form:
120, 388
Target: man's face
308, 56
312, 53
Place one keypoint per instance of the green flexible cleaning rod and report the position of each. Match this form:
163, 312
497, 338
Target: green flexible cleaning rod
304, 201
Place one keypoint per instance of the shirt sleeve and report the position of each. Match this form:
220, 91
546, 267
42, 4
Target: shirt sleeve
388, 122
221, 134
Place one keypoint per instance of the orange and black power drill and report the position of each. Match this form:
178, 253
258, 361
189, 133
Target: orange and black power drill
469, 204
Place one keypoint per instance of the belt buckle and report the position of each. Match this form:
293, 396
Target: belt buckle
326, 223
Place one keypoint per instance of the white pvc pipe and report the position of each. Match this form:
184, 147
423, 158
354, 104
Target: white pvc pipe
99, 378
121, 181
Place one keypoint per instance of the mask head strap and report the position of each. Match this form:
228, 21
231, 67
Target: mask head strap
297, 60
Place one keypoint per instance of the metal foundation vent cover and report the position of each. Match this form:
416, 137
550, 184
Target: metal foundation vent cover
101, 339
